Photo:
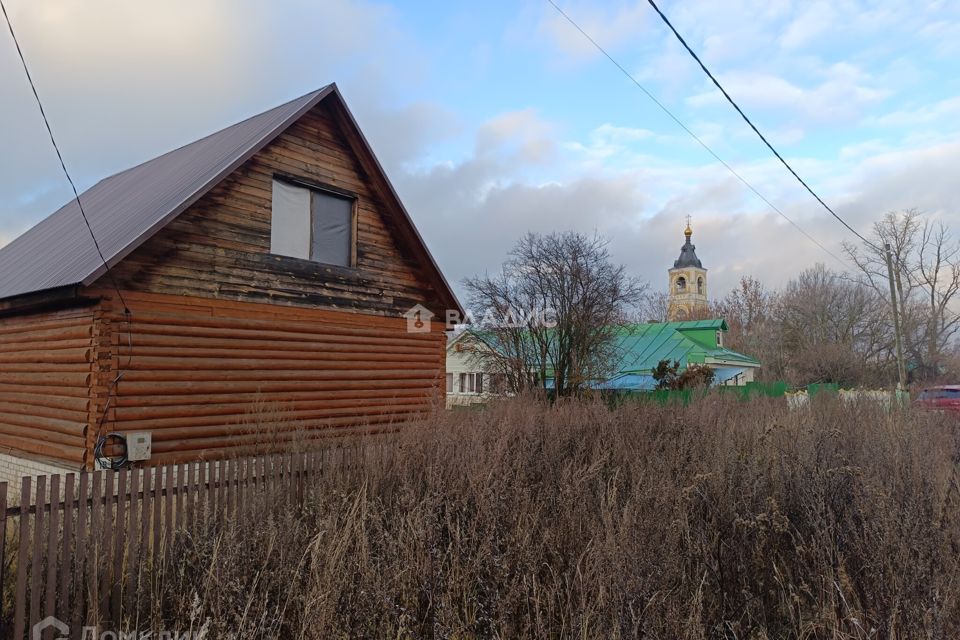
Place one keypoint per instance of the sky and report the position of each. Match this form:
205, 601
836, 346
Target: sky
497, 118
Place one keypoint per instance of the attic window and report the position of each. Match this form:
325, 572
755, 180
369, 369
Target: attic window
312, 223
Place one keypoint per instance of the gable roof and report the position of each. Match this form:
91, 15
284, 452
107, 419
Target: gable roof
128, 208
639, 348
643, 346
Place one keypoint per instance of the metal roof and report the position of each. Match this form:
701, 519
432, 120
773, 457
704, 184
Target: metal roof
642, 346
127, 208
639, 348
688, 256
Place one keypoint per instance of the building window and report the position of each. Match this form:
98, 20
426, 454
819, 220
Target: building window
700, 286
471, 383
449, 383
681, 284
312, 224
720, 338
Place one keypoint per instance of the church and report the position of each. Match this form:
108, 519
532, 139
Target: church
688, 283
690, 336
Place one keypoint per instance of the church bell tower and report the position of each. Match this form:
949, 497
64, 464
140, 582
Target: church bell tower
688, 283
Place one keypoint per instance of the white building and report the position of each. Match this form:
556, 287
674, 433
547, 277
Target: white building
467, 383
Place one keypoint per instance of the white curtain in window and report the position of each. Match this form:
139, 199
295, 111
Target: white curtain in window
290, 222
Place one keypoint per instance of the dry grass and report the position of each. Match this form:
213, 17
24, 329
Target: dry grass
722, 520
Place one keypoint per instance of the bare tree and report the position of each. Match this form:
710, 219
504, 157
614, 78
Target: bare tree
833, 329
654, 307
927, 269
553, 312
750, 312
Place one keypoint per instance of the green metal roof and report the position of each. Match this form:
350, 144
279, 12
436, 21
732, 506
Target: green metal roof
640, 347
643, 346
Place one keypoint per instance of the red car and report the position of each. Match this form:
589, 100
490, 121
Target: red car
942, 398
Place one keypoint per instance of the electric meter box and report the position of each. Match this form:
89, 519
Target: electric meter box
139, 444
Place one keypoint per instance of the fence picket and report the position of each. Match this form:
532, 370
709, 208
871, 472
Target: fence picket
227, 471
146, 508
3, 540
207, 469
262, 477
53, 534
157, 504
168, 513
234, 486
92, 576
180, 491
86, 541
20, 598
133, 547
35, 575
203, 496
190, 497
79, 577
219, 489
245, 490
118, 545
66, 546
106, 567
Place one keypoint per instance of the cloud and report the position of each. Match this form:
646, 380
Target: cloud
862, 149
815, 20
917, 115
609, 141
610, 25
401, 136
521, 132
905, 178
123, 83
842, 95
472, 211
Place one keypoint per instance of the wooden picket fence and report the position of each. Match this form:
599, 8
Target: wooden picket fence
77, 546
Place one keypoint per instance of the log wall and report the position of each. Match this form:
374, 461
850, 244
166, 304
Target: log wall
47, 363
230, 348
220, 247
210, 378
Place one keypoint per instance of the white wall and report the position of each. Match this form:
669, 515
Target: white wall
464, 361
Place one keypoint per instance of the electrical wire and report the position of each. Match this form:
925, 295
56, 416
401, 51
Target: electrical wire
100, 439
755, 130
115, 463
746, 119
56, 147
693, 135
707, 148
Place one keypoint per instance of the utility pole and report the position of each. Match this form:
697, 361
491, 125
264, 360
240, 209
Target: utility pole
901, 368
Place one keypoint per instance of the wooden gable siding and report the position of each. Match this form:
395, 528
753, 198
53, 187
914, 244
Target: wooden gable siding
210, 378
47, 367
220, 246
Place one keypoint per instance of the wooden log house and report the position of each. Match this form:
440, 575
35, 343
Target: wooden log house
266, 270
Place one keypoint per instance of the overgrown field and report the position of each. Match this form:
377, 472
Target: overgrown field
722, 520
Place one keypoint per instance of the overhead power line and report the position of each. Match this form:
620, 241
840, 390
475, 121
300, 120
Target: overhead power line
100, 439
752, 126
693, 135
56, 148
